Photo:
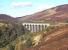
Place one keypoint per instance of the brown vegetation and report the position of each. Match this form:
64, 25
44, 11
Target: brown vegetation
57, 40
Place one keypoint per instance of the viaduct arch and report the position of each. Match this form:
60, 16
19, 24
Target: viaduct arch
36, 27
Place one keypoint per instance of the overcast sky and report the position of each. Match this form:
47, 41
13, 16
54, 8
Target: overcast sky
18, 8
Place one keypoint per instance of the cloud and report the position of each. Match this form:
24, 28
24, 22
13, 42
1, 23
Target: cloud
21, 4
44, 7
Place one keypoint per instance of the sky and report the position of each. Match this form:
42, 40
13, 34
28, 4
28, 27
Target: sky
18, 8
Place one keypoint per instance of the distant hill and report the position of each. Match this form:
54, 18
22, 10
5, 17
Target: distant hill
4, 17
55, 14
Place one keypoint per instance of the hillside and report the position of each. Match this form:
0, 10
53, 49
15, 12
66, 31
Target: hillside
53, 38
55, 14
56, 40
